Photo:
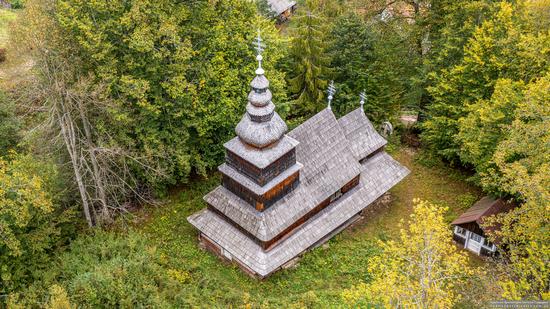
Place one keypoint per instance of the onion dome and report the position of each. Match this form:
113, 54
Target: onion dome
261, 126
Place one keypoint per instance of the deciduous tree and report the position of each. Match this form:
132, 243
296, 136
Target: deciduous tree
421, 269
523, 159
29, 219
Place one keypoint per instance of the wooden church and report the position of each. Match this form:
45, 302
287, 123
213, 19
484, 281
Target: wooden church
284, 193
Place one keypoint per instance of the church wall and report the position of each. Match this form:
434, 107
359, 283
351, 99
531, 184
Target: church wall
266, 245
261, 176
266, 200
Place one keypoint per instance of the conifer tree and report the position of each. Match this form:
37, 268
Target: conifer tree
309, 64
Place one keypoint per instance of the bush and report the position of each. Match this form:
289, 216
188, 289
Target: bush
17, 4
9, 124
110, 270
31, 223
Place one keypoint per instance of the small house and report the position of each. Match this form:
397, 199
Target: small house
282, 9
468, 229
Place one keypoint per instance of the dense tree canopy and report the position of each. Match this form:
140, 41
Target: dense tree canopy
371, 57
180, 71
30, 218
9, 125
523, 159
505, 45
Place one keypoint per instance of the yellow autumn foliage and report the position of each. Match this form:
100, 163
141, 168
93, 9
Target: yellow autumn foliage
420, 269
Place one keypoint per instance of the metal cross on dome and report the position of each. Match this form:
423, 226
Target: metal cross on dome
260, 47
331, 91
363, 97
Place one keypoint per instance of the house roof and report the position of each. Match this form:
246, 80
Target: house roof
379, 174
485, 207
279, 6
327, 166
364, 139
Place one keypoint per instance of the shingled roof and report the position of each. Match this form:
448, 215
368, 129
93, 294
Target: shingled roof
280, 6
327, 166
282, 194
485, 207
361, 133
378, 175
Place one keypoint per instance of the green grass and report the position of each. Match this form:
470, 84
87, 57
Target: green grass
319, 278
17, 66
438, 184
6, 16
317, 281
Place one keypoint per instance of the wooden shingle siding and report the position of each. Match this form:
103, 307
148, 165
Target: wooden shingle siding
262, 202
354, 182
261, 176
210, 245
372, 185
266, 245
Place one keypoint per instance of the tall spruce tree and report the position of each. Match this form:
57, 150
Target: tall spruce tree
309, 61
369, 56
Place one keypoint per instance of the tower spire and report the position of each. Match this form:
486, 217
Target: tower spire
363, 97
261, 126
331, 91
260, 47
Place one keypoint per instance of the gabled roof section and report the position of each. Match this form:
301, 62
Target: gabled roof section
363, 138
279, 6
327, 166
485, 207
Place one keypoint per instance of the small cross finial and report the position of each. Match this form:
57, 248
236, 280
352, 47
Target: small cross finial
363, 97
260, 47
331, 91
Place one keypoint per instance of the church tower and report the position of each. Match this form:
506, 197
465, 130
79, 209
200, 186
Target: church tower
260, 164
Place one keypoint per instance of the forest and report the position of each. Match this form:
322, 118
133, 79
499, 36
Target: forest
113, 116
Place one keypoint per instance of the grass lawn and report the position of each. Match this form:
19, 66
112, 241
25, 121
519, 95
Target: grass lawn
322, 274
18, 64
6, 16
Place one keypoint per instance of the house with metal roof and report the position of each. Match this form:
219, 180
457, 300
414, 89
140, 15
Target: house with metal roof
469, 230
283, 193
282, 9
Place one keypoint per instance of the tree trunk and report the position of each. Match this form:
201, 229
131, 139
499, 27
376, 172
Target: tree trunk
101, 195
69, 137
